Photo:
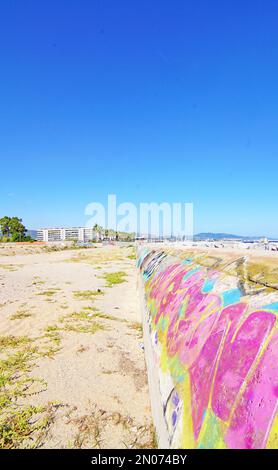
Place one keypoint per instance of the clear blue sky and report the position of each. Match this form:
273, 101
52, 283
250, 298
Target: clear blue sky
152, 100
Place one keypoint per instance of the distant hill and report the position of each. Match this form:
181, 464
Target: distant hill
222, 236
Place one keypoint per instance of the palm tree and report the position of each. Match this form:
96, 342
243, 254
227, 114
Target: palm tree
98, 230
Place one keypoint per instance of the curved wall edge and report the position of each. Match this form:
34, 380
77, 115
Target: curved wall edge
211, 348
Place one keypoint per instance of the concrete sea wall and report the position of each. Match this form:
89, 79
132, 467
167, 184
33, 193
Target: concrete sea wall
211, 344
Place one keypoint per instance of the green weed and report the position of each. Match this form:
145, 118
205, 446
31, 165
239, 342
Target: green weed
49, 293
87, 294
112, 279
20, 315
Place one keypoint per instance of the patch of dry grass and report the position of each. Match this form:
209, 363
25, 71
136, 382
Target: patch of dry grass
137, 326
92, 426
77, 322
21, 426
11, 267
20, 315
49, 292
13, 342
87, 294
98, 257
112, 279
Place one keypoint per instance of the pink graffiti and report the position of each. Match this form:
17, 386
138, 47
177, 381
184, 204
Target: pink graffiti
237, 358
255, 413
222, 348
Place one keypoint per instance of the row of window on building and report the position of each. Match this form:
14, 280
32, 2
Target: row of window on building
82, 234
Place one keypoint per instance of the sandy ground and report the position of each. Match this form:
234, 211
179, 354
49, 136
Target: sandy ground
81, 347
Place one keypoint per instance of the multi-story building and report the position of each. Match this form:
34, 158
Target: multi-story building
82, 234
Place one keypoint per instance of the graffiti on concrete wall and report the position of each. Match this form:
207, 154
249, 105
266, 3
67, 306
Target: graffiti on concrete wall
217, 352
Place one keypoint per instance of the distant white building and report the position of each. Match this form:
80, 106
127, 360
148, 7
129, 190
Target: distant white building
82, 234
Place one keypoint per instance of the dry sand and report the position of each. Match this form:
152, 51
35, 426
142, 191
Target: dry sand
84, 347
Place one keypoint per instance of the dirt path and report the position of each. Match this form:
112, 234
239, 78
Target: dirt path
72, 367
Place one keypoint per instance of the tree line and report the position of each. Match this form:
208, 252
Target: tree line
12, 229
113, 234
